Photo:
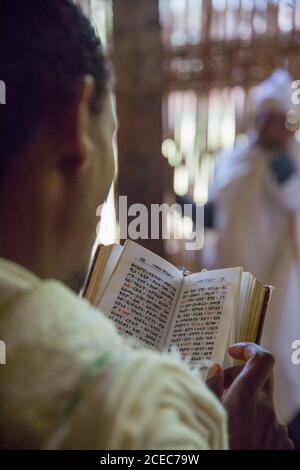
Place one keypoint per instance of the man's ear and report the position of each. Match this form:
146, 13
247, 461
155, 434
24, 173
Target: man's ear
76, 126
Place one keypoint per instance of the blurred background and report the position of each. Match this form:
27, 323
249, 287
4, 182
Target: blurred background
184, 73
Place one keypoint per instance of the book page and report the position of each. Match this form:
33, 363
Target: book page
244, 302
111, 262
141, 295
204, 314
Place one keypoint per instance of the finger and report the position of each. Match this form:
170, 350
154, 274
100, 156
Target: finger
215, 380
258, 369
257, 374
269, 385
230, 374
281, 440
289, 445
244, 351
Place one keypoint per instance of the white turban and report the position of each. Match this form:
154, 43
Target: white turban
274, 94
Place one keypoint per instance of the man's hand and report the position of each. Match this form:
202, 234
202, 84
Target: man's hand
253, 423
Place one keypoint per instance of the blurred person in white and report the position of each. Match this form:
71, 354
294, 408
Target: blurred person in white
70, 381
257, 201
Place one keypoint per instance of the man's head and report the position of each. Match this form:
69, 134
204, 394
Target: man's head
272, 99
272, 131
56, 158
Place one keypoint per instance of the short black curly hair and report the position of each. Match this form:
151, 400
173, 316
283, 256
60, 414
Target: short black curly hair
45, 47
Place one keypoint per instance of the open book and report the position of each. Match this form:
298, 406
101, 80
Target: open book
150, 299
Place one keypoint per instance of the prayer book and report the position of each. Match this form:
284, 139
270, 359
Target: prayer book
198, 314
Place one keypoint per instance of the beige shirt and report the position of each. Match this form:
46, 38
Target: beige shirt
71, 382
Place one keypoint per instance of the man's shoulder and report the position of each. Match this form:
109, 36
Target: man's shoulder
51, 314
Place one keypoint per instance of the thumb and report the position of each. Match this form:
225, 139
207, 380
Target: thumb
215, 380
258, 370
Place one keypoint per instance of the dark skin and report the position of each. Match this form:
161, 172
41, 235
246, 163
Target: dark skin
50, 194
294, 431
246, 392
272, 131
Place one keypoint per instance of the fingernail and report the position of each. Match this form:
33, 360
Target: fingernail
213, 371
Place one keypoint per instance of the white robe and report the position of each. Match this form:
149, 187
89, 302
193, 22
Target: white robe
70, 382
258, 222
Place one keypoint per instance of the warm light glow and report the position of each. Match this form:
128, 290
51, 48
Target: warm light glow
168, 148
181, 180
108, 233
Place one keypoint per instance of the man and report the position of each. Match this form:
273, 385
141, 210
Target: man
70, 382
258, 215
